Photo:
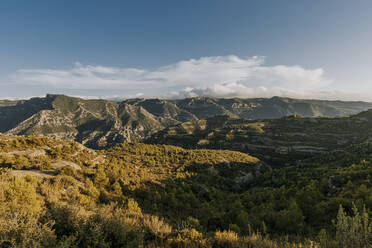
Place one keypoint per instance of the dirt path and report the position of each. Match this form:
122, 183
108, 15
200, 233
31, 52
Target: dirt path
36, 173
28, 152
62, 163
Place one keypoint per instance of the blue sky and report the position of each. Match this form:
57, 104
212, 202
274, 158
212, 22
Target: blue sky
318, 48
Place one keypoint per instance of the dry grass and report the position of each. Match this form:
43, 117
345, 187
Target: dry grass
226, 238
157, 226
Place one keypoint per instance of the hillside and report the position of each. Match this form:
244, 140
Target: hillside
102, 123
137, 195
4, 103
275, 107
66, 195
277, 141
253, 108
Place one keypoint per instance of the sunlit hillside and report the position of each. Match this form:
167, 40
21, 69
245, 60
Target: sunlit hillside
61, 194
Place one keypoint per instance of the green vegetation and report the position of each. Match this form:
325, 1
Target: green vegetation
60, 194
279, 142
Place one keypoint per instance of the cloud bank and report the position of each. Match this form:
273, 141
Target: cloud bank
219, 76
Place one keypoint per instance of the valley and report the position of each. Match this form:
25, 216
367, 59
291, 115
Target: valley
148, 173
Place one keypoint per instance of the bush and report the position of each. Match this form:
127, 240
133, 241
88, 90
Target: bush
67, 170
157, 226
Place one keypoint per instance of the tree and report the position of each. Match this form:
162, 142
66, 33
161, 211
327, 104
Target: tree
290, 220
355, 230
100, 178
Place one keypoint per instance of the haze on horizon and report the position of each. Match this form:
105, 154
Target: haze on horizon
175, 49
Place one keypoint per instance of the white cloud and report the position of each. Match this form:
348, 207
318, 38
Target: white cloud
220, 76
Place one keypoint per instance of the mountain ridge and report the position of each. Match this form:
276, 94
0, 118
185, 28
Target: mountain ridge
99, 123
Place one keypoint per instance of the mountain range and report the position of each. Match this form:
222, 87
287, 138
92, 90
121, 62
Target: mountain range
101, 123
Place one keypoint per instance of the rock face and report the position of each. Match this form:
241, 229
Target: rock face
95, 123
102, 123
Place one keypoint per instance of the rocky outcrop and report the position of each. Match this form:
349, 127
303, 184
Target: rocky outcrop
97, 123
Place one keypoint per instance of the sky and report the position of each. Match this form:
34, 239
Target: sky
174, 49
